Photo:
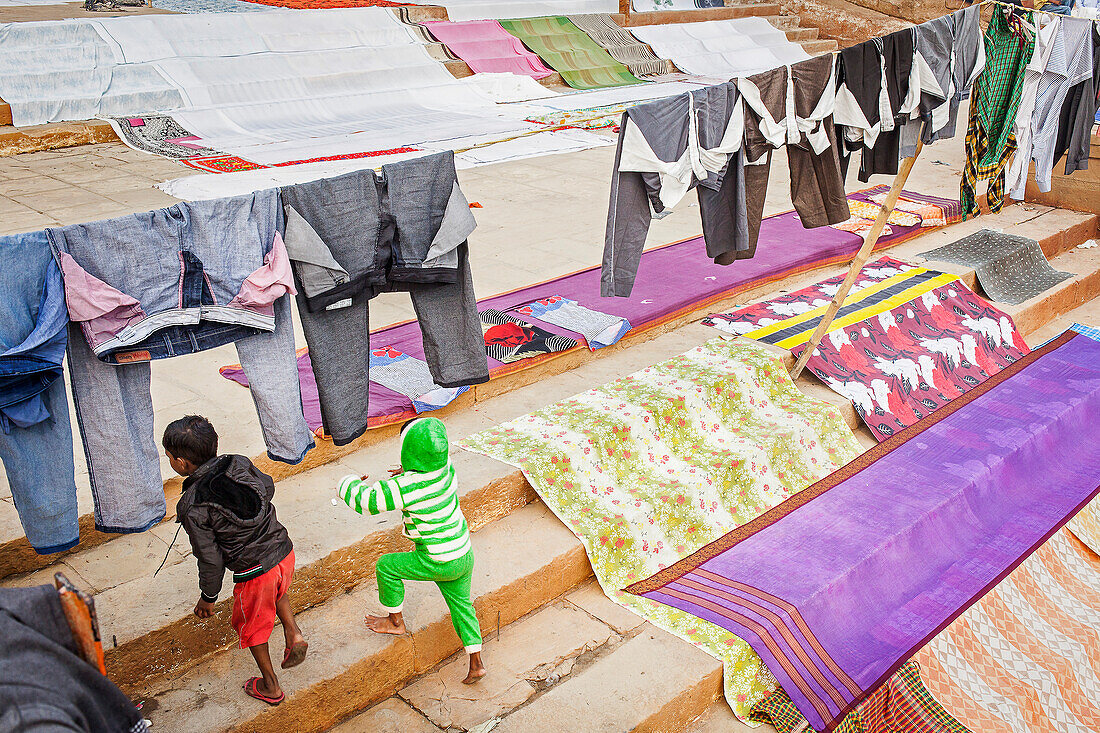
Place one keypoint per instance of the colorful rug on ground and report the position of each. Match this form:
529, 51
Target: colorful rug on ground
1010, 268
162, 135
789, 320
651, 467
901, 365
486, 47
674, 281
840, 585
1024, 657
582, 63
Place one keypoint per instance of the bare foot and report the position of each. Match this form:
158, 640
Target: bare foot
477, 670
385, 624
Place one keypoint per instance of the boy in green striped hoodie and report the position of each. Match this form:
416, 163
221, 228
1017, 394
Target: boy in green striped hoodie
426, 492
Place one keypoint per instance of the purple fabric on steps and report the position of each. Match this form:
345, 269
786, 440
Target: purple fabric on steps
672, 279
839, 585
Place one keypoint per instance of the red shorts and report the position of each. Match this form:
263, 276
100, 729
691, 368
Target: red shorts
254, 602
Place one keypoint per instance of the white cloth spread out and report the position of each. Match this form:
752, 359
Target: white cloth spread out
198, 187
64, 70
722, 48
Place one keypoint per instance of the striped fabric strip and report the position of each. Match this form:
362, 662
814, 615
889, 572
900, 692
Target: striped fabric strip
623, 47
873, 293
867, 303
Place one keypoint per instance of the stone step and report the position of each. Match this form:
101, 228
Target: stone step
720, 719
816, 48
523, 561
660, 17
802, 35
605, 670
651, 682
15, 140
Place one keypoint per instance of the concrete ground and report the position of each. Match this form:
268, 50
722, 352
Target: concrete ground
541, 218
64, 11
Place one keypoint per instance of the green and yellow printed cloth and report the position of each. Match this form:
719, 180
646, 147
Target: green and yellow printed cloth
651, 467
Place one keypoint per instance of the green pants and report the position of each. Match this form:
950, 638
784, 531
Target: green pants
452, 577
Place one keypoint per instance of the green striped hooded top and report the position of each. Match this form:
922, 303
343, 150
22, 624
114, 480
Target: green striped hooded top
426, 492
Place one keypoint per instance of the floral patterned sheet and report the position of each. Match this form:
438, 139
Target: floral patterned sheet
900, 365
649, 468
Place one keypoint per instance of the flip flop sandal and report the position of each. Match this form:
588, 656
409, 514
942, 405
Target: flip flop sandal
294, 655
251, 690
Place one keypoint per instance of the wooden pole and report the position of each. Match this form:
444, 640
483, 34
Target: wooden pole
858, 261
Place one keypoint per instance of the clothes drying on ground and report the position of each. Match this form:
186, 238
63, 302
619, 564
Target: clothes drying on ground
790, 320
1080, 111
1061, 60
1010, 268
649, 6
208, 6
582, 63
411, 377
990, 141
499, 9
509, 339
623, 47
486, 47
899, 366
721, 49
918, 529
648, 468
599, 329
54, 71
792, 107
354, 236
665, 149
160, 284
36, 441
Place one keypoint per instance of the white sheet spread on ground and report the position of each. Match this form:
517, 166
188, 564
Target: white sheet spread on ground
210, 186
65, 70
722, 48
290, 85
498, 9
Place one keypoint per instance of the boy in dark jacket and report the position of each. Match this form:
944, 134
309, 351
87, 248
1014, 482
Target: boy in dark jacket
227, 513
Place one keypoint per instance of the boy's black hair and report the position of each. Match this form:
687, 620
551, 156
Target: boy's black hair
191, 438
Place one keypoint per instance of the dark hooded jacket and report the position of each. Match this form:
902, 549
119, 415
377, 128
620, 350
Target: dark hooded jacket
44, 685
227, 513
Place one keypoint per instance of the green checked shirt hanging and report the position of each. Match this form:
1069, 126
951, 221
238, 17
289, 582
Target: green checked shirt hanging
990, 141
426, 493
